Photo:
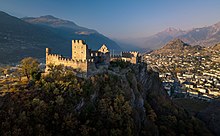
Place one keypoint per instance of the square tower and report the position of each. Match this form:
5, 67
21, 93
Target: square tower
80, 50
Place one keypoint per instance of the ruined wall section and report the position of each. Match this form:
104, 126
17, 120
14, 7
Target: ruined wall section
132, 56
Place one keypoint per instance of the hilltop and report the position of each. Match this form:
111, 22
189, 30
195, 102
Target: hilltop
125, 99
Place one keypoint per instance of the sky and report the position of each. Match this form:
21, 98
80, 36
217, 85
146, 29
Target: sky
122, 18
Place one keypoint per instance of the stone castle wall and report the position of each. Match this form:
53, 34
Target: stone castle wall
81, 64
131, 56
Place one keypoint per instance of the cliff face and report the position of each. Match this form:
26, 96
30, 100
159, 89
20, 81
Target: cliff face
125, 99
153, 113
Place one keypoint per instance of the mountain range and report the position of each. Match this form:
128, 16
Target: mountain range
179, 48
205, 36
30, 36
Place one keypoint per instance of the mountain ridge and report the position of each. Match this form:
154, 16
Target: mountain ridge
204, 36
71, 30
19, 38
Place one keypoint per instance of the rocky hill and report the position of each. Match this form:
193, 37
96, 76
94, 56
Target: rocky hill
30, 36
125, 99
176, 47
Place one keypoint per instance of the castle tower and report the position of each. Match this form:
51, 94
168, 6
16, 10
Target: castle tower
80, 50
135, 57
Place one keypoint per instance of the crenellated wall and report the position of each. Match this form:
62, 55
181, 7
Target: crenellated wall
55, 59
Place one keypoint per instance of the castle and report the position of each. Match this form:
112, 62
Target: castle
84, 59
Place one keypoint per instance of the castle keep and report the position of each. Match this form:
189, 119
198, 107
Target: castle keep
82, 59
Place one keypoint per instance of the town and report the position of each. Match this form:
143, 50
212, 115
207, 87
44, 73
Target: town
189, 75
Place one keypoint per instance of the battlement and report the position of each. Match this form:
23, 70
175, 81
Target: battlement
61, 59
55, 55
78, 41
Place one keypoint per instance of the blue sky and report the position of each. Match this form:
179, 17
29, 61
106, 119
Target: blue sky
122, 18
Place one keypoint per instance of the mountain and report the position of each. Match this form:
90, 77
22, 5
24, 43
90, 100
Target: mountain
130, 45
20, 39
69, 30
176, 47
25, 37
205, 36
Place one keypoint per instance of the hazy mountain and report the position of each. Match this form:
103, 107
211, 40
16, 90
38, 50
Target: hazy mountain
129, 45
159, 39
176, 47
205, 36
69, 30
